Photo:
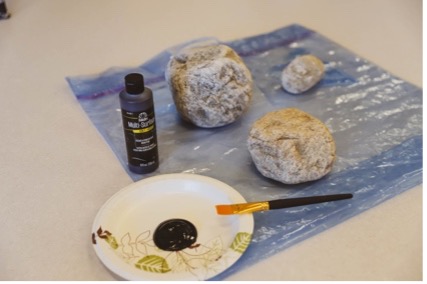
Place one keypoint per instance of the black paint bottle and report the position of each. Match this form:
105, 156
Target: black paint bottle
139, 125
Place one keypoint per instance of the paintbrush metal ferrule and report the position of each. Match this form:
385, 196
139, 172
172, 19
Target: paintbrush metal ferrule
242, 208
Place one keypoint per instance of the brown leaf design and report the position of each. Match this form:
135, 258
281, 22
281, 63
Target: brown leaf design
93, 239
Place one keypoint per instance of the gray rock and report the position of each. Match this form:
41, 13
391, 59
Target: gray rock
211, 86
302, 74
291, 146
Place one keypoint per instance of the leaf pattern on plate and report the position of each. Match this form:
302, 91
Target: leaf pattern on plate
153, 263
241, 242
141, 242
127, 248
107, 236
200, 260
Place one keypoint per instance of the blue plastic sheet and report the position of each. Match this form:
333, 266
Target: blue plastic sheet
375, 118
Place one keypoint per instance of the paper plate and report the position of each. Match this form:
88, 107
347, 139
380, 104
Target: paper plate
129, 231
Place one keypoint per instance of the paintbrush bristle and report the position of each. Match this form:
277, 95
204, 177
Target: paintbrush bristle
224, 209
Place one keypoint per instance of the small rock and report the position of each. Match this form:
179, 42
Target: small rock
302, 74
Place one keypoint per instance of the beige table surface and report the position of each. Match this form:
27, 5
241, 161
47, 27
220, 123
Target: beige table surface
56, 170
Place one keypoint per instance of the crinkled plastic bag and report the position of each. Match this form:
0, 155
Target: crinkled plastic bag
375, 118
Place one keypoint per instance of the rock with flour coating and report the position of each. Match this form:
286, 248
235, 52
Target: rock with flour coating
211, 86
291, 146
302, 74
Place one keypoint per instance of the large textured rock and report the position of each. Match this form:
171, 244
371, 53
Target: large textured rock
211, 86
291, 146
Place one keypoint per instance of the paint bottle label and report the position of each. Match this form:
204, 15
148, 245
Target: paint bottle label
141, 138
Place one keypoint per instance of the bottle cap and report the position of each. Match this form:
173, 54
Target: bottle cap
134, 83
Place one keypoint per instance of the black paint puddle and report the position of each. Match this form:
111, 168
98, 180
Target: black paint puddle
175, 235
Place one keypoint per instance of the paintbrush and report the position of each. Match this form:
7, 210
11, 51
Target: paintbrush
240, 208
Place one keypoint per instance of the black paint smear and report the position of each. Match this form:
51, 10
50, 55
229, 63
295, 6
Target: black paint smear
175, 235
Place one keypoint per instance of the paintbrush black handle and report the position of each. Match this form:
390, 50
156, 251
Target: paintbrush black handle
294, 202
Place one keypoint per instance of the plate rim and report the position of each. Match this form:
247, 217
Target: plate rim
247, 220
